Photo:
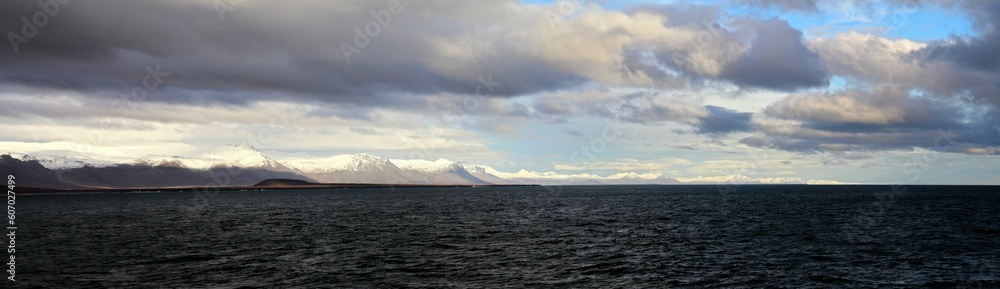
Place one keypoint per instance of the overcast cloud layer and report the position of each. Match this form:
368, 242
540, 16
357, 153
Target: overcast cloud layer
483, 81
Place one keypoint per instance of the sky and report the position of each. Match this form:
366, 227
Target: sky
896, 91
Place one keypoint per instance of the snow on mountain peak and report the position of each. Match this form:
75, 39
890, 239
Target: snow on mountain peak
230, 155
236, 152
60, 162
241, 155
635, 176
364, 157
360, 162
428, 166
366, 162
741, 179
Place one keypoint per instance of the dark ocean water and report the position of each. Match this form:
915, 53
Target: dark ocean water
571, 237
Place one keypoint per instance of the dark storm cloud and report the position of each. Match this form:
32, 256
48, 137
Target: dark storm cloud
777, 59
268, 50
652, 109
975, 138
721, 120
978, 53
959, 66
957, 86
974, 62
751, 53
883, 106
886, 118
321, 52
262, 48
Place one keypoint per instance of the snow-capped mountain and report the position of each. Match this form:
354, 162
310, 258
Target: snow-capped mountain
366, 168
632, 178
243, 156
548, 178
741, 179
30, 173
551, 178
350, 168
354, 168
229, 156
361, 162
244, 165
425, 165
441, 171
55, 162
231, 166
487, 174
730, 179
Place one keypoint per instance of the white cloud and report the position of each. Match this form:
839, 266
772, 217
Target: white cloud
625, 165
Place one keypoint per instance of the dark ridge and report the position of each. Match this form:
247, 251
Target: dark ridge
31, 174
33, 177
283, 182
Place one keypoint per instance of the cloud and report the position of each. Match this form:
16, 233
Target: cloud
886, 105
552, 108
975, 53
283, 50
794, 5
944, 69
907, 93
625, 165
646, 107
496, 66
748, 52
292, 50
869, 58
649, 109
363, 130
777, 59
722, 120
296, 51
885, 118
596, 101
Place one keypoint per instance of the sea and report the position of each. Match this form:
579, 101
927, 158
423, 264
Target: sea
681, 236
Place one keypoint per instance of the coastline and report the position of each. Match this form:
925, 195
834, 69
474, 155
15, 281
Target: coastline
316, 186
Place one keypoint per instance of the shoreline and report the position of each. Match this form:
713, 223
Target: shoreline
44, 191
319, 186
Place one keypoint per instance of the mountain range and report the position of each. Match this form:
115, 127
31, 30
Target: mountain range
239, 165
